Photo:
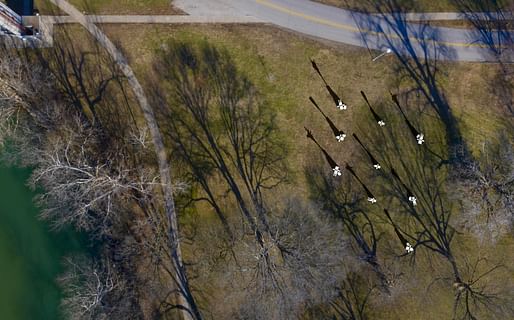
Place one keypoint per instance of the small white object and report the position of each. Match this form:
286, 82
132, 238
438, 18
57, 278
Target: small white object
341, 137
377, 166
381, 123
409, 248
372, 200
336, 171
388, 51
421, 138
341, 105
413, 200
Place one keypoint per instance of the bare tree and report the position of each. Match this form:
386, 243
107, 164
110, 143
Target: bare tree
20, 87
308, 255
223, 133
92, 172
80, 190
340, 198
416, 186
89, 288
409, 173
486, 191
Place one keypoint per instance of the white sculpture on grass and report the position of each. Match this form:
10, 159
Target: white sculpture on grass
341, 137
420, 138
341, 105
336, 171
372, 200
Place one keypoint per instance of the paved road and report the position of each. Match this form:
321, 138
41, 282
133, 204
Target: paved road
344, 26
321, 21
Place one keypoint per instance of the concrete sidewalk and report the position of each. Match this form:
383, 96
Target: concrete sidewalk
130, 19
46, 23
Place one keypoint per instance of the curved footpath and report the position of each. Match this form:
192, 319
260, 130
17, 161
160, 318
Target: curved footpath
160, 150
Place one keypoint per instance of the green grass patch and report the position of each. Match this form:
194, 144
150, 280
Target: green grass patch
113, 7
136, 7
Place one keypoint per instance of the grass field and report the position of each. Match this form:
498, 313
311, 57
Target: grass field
161, 7
143, 7
277, 62
278, 65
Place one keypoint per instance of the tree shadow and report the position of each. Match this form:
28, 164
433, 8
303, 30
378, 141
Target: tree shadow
90, 101
412, 170
492, 25
418, 48
491, 22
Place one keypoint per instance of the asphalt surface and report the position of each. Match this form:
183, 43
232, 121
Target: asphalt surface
343, 26
401, 33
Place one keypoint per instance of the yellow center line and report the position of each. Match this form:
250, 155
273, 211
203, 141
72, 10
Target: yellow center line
341, 26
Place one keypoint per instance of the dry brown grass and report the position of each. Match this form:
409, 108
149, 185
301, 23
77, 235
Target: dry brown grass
278, 63
114, 7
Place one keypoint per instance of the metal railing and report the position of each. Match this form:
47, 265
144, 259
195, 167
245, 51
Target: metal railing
10, 21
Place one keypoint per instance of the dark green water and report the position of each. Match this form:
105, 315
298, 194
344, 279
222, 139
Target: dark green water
30, 253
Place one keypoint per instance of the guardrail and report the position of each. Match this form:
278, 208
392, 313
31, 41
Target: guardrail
10, 21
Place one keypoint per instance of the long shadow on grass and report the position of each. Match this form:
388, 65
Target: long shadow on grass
490, 21
418, 208
418, 50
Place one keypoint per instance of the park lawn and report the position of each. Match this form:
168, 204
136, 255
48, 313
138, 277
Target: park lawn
278, 63
114, 7
136, 7
279, 66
